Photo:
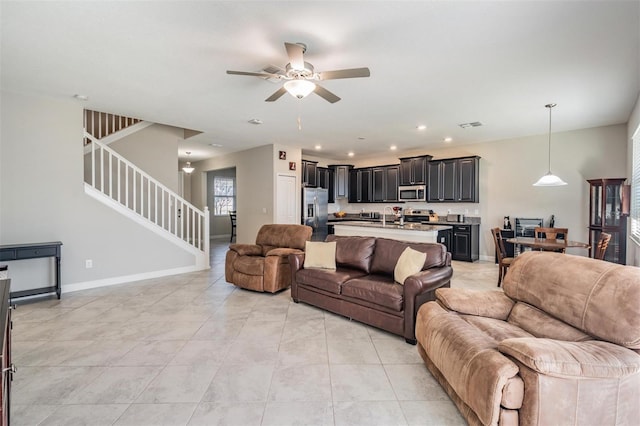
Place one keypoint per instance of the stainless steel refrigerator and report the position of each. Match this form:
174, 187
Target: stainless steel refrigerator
315, 211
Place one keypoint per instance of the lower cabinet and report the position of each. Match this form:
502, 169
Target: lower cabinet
466, 242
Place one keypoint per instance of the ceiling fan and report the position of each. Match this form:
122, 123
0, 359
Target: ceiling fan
300, 77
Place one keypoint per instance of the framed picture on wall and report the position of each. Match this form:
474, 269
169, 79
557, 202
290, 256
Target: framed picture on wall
283, 155
292, 165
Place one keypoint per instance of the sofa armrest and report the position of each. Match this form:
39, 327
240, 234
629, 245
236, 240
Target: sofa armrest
296, 262
491, 304
246, 249
419, 289
282, 252
592, 359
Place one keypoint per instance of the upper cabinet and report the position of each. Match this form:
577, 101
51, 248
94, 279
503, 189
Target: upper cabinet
360, 186
453, 180
340, 184
309, 173
413, 170
385, 183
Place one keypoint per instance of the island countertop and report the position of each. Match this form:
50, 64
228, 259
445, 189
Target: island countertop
408, 232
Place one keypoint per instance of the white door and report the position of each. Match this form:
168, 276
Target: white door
286, 199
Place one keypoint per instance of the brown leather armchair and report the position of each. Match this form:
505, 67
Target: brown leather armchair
264, 266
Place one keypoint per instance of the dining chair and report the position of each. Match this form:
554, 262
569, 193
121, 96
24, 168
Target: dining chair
603, 243
552, 234
503, 261
232, 215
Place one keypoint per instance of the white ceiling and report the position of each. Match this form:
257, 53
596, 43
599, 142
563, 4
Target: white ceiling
439, 63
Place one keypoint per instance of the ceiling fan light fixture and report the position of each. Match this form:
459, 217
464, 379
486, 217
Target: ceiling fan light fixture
299, 88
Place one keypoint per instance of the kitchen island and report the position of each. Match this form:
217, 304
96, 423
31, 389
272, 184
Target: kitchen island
415, 232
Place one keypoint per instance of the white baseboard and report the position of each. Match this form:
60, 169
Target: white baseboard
68, 288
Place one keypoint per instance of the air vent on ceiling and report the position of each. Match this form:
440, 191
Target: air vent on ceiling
472, 124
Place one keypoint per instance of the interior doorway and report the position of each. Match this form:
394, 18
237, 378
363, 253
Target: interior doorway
221, 199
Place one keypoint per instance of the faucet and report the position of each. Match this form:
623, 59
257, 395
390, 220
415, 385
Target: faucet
384, 222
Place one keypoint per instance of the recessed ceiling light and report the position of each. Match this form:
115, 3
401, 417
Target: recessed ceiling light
81, 97
350, 154
255, 121
215, 145
421, 127
393, 147
448, 139
318, 147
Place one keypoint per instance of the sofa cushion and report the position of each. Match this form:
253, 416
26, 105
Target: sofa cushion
380, 290
327, 279
249, 265
599, 298
409, 263
492, 304
388, 252
320, 255
592, 359
354, 252
498, 330
541, 324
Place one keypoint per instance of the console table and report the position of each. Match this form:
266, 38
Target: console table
34, 251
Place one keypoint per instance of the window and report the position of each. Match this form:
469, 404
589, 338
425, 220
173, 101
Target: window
224, 196
635, 189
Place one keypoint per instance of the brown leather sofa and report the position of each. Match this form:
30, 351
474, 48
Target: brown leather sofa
362, 286
264, 266
560, 345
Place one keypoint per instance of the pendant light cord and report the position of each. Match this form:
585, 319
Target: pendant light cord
550, 106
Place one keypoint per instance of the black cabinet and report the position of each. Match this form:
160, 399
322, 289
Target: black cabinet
340, 176
360, 186
466, 242
608, 214
444, 237
385, 183
453, 180
323, 177
413, 170
309, 173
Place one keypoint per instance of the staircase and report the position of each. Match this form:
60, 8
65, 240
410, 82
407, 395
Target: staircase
120, 184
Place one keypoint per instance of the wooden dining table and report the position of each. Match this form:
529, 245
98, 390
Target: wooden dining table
547, 243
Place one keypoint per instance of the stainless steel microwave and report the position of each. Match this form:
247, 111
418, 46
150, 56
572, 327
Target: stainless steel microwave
412, 193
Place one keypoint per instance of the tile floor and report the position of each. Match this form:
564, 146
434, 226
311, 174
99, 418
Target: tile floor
194, 350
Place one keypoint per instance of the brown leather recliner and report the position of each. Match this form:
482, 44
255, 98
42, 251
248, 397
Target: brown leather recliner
264, 266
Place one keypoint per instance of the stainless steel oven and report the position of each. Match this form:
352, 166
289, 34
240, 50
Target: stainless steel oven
412, 193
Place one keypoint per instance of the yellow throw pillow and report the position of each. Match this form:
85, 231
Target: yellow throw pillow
320, 255
410, 262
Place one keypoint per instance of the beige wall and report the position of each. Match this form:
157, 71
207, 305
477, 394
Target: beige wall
508, 169
46, 202
155, 150
256, 171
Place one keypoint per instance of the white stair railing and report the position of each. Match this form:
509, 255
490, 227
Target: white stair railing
101, 124
126, 184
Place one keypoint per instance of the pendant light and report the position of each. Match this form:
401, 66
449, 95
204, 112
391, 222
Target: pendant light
550, 179
187, 168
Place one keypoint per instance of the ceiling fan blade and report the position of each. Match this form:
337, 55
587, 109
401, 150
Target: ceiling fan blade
296, 58
254, 74
327, 95
349, 73
276, 95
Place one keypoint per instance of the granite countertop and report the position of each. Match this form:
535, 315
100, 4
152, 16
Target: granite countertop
406, 227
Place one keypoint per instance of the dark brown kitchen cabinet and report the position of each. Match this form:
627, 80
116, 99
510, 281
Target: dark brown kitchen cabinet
309, 173
360, 186
466, 242
606, 214
340, 176
8, 369
385, 183
323, 177
413, 170
453, 180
